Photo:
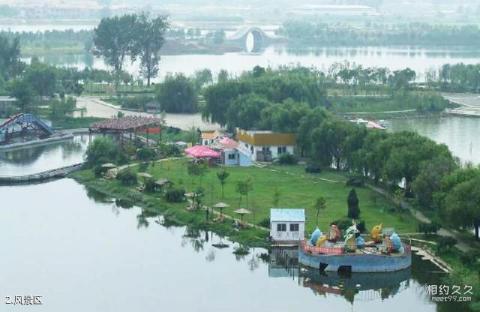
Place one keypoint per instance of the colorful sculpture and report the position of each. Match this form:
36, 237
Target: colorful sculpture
315, 236
351, 237
376, 233
334, 233
321, 241
396, 242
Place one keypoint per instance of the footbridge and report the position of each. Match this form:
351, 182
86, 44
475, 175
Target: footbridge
21, 125
258, 37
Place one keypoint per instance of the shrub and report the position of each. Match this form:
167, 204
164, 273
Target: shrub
127, 177
356, 181
145, 154
343, 224
265, 223
175, 195
99, 170
150, 185
445, 244
470, 258
287, 159
313, 168
428, 228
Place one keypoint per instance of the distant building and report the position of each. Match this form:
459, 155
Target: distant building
265, 145
209, 136
287, 225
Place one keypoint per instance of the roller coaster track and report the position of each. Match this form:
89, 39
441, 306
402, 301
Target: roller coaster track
22, 122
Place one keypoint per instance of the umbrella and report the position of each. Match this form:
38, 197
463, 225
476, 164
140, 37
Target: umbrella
242, 212
145, 175
220, 206
162, 182
109, 165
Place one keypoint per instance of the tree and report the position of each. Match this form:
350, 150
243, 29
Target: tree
177, 95
24, 93
276, 196
42, 78
222, 178
101, 150
10, 64
320, 204
61, 108
353, 208
243, 188
148, 43
461, 205
114, 39
429, 179
202, 78
196, 169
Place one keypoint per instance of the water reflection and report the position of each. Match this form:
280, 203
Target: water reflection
42, 158
51, 228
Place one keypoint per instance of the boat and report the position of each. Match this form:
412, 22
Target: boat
383, 253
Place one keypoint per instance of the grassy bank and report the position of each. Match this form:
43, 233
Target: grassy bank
292, 187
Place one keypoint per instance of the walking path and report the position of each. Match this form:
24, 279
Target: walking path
461, 244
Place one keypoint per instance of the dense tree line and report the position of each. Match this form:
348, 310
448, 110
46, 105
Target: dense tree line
321, 34
50, 38
294, 100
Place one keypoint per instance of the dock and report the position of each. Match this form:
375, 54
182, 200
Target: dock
41, 176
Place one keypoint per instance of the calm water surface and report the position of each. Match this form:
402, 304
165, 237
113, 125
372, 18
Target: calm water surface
42, 158
460, 134
82, 252
419, 59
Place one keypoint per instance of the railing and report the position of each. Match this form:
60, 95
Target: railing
321, 250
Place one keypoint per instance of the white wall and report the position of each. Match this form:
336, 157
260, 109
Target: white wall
287, 235
273, 150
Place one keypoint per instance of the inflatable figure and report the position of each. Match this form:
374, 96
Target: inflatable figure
321, 241
396, 242
334, 233
315, 236
376, 233
360, 242
351, 237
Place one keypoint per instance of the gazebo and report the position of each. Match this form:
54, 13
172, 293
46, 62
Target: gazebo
126, 125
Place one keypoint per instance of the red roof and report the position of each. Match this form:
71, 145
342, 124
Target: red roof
200, 151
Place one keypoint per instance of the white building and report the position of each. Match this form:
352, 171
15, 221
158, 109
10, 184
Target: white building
265, 145
287, 225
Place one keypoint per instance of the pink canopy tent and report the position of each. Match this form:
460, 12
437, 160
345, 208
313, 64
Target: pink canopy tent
200, 151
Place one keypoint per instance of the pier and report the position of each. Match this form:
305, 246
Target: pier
41, 176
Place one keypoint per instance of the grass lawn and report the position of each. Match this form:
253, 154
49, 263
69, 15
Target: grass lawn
297, 190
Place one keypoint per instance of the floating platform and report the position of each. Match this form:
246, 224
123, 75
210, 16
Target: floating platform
336, 260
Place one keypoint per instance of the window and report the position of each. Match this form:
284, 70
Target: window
231, 156
281, 150
294, 227
281, 227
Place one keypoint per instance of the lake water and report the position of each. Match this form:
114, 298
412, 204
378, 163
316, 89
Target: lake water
460, 134
419, 59
82, 252
42, 158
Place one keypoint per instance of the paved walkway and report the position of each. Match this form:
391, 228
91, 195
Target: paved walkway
461, 244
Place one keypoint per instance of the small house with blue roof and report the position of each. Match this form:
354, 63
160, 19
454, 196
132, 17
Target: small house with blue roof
287, 225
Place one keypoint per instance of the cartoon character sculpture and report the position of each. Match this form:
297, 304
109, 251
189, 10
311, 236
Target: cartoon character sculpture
351, 237
321, 240
334, 233
396, 242
376, 233
315, 236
